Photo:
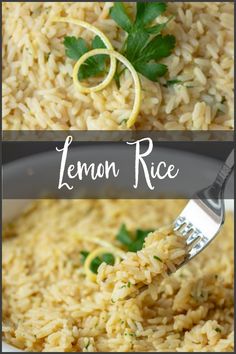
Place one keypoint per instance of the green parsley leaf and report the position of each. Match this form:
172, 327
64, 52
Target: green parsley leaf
88, 344
108, 258
128, 285
94, 265
123, 286
99, 59
124, 236
137, 244
159, 47
142, 234
173, 82
148, 11
84, 255
76, 47
123, 121
130, 334
48, 56
158, 258
217, 329
132, 243
119, 15
152, 70
135, 44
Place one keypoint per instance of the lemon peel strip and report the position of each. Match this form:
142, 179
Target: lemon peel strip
129, 66
97, 252
108, 45
113, 56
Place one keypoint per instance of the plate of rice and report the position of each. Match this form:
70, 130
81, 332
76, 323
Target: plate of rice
188, 87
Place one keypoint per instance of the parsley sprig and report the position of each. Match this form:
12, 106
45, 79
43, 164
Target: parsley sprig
144, 46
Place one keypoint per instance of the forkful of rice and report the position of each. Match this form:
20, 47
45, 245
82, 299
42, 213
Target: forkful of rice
169, 248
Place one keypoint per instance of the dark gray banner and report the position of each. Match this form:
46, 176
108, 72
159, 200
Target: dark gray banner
133, 169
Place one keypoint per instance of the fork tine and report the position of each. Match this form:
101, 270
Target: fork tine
202, 241
198, 243
193, 237
179, 222
187, 230
195, 240
195, 249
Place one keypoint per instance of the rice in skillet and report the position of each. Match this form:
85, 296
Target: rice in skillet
49, 304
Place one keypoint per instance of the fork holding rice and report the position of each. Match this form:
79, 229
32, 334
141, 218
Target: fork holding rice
163, 251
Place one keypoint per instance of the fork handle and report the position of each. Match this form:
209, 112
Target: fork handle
230, 160
225, 170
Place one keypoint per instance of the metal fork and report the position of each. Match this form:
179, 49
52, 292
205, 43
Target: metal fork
202, 218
